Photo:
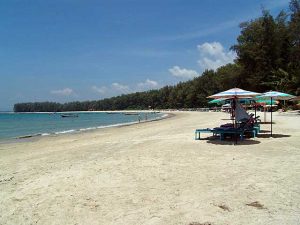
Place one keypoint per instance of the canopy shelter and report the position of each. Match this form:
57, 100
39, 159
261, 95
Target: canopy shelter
297, 98
274, 95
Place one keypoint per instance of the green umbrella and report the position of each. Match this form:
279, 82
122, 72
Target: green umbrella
267, 101
219, 101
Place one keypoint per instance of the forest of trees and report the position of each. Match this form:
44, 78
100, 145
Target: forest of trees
268, 58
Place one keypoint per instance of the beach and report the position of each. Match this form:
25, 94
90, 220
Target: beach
154, 173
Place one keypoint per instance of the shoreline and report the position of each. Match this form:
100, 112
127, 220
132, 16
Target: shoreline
108, 111
34, 137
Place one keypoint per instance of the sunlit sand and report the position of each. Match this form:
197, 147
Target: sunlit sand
154, 173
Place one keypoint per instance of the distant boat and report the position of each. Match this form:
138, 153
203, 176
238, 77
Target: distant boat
130, 113
69, 115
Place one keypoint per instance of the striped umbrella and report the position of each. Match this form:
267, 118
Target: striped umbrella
274, 95
234, 93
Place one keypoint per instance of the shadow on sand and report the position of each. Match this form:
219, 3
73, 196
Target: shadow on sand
268, 135
247, 141
264, 131
217, 141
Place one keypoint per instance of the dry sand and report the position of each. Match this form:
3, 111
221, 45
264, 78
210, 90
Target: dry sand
154, 173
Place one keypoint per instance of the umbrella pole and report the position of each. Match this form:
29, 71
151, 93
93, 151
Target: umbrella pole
235, 124
231, 111
255, 109
271, 118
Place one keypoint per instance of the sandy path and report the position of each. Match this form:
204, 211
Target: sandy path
153, 173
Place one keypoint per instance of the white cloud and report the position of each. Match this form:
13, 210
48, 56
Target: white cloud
63, 92
101, 90
124, 89
182, 72
117, 88
213, 55
148, 84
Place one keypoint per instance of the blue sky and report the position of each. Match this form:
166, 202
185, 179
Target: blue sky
66, 50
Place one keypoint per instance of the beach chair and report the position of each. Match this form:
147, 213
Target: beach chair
252, 124
246, 124
199, 131
223, 132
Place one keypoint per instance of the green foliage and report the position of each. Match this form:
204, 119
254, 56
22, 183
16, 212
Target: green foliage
268, 50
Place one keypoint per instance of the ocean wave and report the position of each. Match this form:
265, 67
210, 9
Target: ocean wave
65, 131
88, 128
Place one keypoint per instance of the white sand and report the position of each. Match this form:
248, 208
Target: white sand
153, 173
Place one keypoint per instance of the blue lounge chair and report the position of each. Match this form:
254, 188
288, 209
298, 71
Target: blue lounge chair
199, 131
250, 125
223, 132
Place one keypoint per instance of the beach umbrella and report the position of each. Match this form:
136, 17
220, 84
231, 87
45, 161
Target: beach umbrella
219, 101
274, 95
235, 93
266, 101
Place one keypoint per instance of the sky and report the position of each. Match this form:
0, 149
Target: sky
67, 50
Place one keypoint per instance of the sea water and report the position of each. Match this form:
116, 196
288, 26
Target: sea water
16, 125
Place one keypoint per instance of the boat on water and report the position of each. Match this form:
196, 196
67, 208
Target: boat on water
131, 113
69, 115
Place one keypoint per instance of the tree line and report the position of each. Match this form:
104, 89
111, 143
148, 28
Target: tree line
268, 58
